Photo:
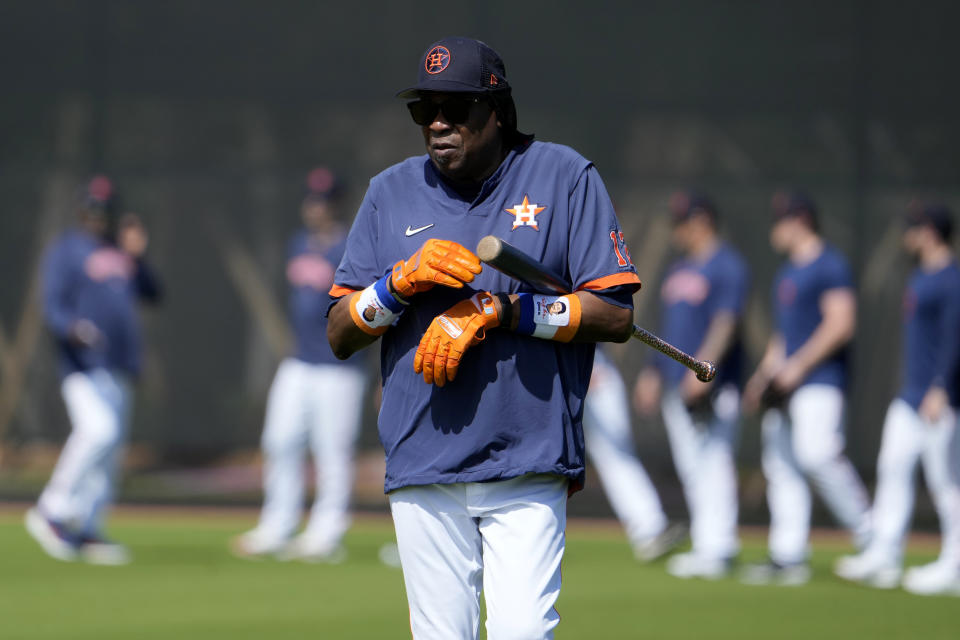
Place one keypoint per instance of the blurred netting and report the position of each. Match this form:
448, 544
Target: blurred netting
209, 114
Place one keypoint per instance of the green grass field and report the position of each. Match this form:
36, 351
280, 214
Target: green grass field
184, 584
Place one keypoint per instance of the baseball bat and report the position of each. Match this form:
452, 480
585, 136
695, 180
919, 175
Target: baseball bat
513, 262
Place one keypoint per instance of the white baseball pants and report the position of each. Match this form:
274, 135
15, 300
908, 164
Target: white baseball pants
803, 442
907, 439
82, 484
703, 452
315, 406
609, 443
506, 538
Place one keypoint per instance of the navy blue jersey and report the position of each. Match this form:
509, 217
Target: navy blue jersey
797, 294
692, 293
931, 334
86, 278
312, 261
517, 402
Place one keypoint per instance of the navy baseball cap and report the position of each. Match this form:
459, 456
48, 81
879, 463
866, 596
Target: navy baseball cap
794, 204
932, 214
99, 195
458, 65
684, 204
322, 185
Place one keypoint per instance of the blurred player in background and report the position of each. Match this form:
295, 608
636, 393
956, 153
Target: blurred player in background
703, 296
484, 380
93, 277
800, 382
315, 401
921, 423
609, 444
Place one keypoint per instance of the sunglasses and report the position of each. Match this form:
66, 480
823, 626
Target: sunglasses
455, 109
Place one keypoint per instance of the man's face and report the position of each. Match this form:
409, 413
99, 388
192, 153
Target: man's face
913, 239
316, 215
468, 151
680, 235
781, 234
96, 222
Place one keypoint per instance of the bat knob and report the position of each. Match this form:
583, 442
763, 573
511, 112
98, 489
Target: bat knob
707, 372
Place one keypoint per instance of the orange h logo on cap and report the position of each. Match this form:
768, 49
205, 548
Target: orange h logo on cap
437, 60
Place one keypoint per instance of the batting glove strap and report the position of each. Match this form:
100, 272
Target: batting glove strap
549, 317
375, 308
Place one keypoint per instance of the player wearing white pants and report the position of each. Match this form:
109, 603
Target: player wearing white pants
609, 445
505, 538
315, 403
483, 381
93, 278
702, 296
81, 486
800, 381
805, 441
921, 423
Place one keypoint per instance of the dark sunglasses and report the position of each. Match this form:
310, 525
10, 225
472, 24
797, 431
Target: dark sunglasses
455, 109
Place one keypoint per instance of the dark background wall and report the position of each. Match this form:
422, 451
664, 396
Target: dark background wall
209, 114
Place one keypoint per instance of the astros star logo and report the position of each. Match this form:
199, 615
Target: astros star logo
525, 213
437, 60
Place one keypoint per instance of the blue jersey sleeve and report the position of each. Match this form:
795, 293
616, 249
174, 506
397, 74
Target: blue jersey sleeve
58, 310
360, 265
598, 256
947, 364
836, 273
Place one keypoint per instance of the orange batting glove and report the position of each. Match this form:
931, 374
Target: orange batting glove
442, 262
450, 334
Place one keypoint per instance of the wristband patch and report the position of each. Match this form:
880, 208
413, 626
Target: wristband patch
549, 317
551, 311
375, 307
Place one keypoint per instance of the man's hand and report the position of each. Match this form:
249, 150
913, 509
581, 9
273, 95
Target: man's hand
451, 333
84, 333
440, 262
934, 403
789, 376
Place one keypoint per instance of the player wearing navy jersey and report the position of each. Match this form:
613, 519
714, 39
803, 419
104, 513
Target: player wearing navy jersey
921, 423
703, 296
483, 379
93, 277
314, 402
801, 380
609, 445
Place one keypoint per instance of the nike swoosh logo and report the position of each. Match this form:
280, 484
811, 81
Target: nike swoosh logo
410, 232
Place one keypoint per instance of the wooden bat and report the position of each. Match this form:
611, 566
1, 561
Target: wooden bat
510, 261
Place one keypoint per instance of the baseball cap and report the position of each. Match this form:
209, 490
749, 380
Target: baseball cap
683, 204
458, 65
99, 194
794, 204
322, 185
935, 215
